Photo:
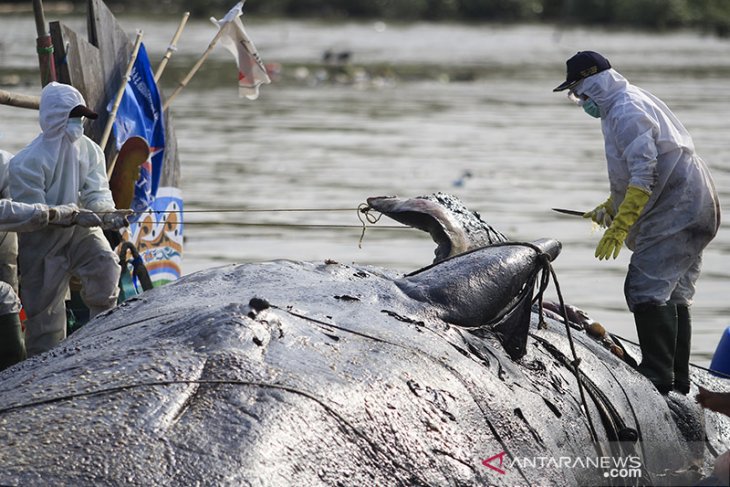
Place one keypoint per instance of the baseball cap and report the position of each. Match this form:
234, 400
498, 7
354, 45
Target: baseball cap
83, 111
581, 66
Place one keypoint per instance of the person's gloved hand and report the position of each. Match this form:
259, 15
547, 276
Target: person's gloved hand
611, 243
87, 219
114, 220
629, 211
62, 215
602, 214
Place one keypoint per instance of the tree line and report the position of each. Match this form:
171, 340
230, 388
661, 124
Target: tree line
708, 15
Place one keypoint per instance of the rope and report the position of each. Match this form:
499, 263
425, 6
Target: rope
233, 210
364, 210
286, 225
547, 271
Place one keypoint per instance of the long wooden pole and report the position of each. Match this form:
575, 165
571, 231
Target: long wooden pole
194, 69
120, 94
20, 101
44, 45
172, 47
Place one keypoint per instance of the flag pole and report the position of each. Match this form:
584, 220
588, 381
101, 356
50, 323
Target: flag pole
194, 69
118, 99
172, 47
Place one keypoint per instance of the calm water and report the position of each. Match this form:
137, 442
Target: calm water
463, 98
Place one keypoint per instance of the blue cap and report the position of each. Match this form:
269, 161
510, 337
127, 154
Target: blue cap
581, 66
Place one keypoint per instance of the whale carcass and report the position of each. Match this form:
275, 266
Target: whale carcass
301, 373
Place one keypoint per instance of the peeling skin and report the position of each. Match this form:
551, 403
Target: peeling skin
257, 375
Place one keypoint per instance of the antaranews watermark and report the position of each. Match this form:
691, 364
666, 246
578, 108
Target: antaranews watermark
613, 467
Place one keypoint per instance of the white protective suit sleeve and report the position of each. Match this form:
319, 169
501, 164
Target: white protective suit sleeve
5, 157
22, 217
17, 217
95, 194
9, 302
55, 168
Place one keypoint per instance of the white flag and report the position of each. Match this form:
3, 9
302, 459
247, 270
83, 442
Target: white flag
251, 70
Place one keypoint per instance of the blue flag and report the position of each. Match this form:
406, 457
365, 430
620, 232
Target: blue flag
140, 114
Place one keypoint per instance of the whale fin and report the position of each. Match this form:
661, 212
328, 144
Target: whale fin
487, 287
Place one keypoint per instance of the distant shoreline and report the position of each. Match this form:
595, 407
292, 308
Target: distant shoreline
49, 7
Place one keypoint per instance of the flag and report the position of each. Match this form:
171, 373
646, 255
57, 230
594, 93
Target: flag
140, 113
251, 70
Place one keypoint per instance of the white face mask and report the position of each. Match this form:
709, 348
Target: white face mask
75, 128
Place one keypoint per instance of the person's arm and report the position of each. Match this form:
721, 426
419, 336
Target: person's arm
715, 401
636, 133
26, 179
22, 217
95, 194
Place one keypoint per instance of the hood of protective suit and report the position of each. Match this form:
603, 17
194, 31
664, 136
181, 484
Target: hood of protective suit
604, 88
57, 101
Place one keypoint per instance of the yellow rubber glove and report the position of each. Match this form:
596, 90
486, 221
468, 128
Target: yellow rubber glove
629, 211
602, 214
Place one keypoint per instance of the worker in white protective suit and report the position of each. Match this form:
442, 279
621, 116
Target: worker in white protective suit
8, 240
662, 204
21, 217
60, 167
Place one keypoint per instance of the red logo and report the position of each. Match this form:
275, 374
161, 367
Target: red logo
488, 462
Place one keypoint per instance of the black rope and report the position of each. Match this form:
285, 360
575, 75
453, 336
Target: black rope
547, 272
284, 225
234, 210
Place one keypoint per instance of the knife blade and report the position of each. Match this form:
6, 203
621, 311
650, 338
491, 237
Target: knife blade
569, 212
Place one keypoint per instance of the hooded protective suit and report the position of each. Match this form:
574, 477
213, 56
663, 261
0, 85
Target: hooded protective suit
62, 166
648, 147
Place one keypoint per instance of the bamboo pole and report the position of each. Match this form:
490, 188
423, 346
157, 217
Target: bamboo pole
20, 101
194, 69
172, 47
120, 94
44, 45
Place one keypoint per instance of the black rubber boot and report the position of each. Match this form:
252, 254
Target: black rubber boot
12, 345
681, 354
657, 330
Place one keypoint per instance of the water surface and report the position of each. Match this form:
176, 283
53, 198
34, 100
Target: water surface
428, 102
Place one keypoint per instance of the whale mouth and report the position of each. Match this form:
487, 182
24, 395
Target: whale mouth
422, 214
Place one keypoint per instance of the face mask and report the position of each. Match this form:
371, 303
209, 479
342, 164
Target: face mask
590, 107
75, 128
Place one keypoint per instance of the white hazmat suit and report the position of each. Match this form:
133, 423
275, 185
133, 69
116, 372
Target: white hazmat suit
62, 166
649, 148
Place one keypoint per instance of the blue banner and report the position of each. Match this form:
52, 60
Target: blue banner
140, 114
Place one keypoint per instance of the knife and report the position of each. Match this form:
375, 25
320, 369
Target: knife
569, 212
